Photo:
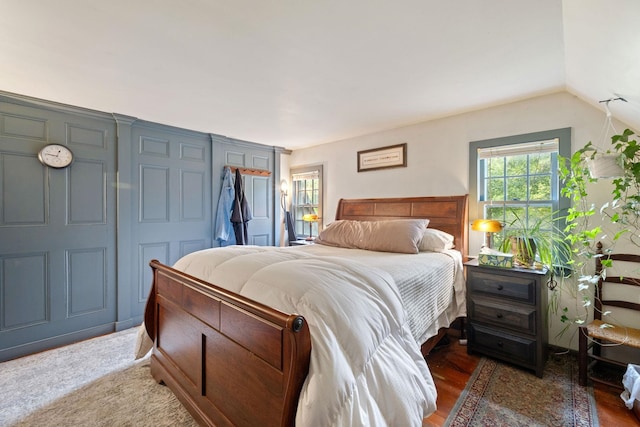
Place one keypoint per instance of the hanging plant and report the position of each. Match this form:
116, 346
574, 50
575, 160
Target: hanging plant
622, 211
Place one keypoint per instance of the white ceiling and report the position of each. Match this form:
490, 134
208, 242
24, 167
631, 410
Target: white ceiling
296, 73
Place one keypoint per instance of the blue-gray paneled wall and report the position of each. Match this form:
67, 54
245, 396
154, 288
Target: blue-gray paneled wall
57, 229
172, 199
75, 243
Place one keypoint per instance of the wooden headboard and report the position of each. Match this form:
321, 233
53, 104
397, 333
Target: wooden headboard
446, 213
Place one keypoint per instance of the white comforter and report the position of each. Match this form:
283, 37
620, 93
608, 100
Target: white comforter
366, 368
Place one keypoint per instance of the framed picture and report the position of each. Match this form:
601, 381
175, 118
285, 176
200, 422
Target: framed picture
393, 156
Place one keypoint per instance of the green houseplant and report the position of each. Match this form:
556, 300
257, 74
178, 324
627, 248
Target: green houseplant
540, 243
537, 243
587, 224
622, 211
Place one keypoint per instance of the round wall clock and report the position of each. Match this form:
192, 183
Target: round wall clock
55, 156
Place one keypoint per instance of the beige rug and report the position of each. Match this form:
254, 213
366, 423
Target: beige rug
92, 383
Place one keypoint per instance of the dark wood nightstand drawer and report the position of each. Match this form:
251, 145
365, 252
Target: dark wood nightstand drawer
520, 318
514, 287
506, 309
497, 343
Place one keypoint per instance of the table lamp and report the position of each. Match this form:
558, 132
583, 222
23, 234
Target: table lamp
488, 226
310, 218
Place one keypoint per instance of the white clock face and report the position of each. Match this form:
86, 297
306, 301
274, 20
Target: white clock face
55, 156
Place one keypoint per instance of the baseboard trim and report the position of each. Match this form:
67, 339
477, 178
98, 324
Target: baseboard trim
129, 323
57, 341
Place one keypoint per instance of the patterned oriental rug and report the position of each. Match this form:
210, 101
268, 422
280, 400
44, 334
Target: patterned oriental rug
502, 395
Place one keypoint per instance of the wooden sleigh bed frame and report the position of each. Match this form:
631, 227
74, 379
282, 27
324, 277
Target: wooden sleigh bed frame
233, 361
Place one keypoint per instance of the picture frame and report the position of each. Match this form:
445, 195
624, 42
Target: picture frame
392, 156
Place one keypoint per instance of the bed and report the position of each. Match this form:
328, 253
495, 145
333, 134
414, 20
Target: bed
272, 336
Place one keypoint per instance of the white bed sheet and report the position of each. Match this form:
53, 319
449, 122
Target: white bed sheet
431, 284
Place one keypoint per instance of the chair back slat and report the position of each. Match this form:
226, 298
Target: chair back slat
624, 280
621, 304
594, 335
614, 279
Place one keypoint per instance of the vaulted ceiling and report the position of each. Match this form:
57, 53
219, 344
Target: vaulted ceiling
297, 73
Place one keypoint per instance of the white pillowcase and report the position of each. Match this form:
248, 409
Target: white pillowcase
435, 240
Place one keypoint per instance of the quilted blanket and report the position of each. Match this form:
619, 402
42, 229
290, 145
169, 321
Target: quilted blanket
366, 368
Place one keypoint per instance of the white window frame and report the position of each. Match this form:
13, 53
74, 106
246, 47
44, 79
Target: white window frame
304, 203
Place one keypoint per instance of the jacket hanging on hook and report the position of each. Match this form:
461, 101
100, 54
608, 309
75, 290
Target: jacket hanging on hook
225, 234
241, 213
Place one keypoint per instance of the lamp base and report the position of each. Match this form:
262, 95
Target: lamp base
487, 240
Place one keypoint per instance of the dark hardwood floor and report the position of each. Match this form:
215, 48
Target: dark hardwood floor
451, 368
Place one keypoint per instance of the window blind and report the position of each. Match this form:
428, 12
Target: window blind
537, 147
304, 176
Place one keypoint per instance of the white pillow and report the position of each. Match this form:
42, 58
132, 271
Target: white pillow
436, 240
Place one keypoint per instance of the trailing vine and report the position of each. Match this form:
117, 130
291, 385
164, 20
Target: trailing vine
622, 211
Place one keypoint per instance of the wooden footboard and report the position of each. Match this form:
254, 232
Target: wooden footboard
228, 359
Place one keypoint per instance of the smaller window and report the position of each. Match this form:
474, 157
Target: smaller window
306, 199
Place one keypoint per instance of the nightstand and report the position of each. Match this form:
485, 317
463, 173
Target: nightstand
506, 312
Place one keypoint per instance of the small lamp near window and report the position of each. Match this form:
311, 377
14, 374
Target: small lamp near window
310, 218
488, 226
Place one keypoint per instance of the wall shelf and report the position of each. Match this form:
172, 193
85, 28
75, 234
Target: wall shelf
249, 171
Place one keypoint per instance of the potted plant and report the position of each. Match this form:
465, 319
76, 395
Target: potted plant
621, 212
605, 165
537, 243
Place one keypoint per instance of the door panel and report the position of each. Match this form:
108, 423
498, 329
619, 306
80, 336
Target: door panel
258, 189
172, 200
57, 229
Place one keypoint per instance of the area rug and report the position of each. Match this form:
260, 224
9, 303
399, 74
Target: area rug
502, 395
91, 383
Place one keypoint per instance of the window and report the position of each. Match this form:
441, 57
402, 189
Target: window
517, 177
306, 199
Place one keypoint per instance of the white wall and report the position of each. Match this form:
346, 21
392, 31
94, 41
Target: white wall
438, 156
285, 159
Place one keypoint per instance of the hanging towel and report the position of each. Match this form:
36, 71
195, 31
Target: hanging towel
224, 229
241, 213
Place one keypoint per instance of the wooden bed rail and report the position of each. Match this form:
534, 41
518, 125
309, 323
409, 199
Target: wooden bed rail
228, 359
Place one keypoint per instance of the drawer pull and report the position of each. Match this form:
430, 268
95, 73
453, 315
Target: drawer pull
500, 316
500, 287
500, 344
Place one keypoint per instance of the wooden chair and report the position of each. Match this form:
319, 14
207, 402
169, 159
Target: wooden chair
593, 336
